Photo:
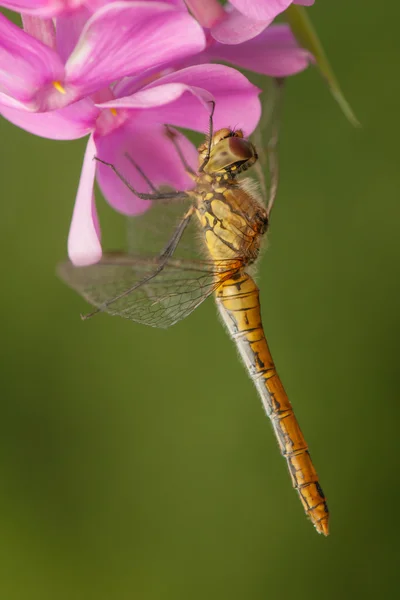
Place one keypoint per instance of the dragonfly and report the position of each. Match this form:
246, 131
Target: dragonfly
161, 290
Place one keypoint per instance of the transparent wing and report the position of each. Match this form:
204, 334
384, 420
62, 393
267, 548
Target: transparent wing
265, 139
114, 286
148, 234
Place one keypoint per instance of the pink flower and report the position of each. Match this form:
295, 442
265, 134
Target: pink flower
114, 74
247, 43
52, 8
265, 10
273, 52
241, 20
83, 55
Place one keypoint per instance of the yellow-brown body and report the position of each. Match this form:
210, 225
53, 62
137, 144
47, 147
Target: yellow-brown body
234, 221
238, 301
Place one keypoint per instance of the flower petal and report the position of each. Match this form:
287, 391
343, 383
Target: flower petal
160, 95
237, 28
248, 19
84, 246
179, 99
41, 29
96, 4
69, 28
236, 99
265, 10
207, 12
124, 38
52, 8
6, 100
26, 65
153, 151
273, 52
41, 8
69, 123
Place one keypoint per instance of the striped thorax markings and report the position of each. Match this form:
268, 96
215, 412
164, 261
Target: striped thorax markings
238, 302
227, 233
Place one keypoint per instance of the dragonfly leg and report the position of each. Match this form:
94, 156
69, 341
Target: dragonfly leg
172, 136
174, 241
141, 172
154, 196
163, 259
210, 136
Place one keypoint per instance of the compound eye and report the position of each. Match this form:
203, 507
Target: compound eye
241, 149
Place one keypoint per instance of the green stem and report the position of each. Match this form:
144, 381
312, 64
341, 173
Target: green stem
304, 31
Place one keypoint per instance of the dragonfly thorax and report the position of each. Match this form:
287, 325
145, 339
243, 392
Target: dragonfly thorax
230, 154
230, 211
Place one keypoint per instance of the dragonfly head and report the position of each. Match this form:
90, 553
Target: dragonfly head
230, 154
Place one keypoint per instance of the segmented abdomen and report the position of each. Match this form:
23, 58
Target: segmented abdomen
238, 301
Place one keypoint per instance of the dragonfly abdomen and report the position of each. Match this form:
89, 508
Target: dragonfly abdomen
239, 305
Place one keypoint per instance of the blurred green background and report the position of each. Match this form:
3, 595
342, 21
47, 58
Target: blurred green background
138, 463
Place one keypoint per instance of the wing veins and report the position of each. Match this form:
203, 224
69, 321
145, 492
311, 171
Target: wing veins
161, 301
